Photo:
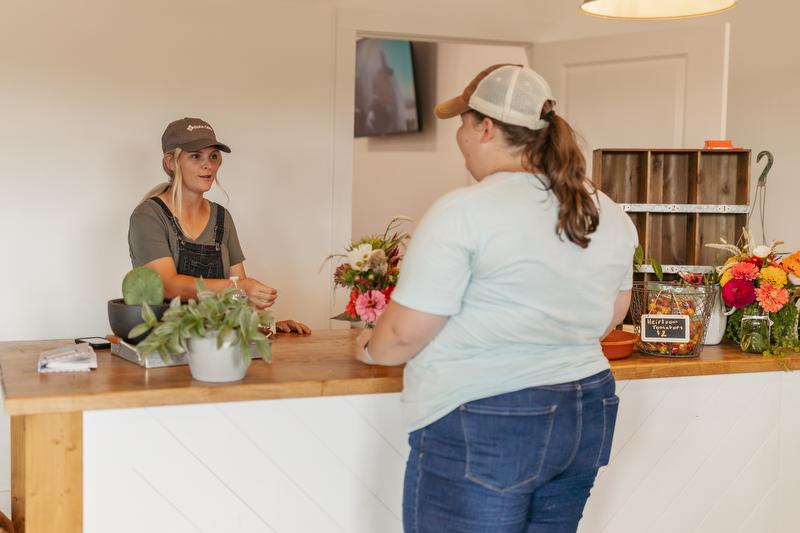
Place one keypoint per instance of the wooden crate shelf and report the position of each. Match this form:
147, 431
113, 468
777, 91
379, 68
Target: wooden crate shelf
679, 199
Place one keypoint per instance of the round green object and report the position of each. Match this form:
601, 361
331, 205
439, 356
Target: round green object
142, 285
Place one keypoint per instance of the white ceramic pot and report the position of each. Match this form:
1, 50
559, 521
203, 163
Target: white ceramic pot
716, 323
209, 363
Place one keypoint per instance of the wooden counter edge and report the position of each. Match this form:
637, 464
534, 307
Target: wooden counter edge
666, 369
232, 392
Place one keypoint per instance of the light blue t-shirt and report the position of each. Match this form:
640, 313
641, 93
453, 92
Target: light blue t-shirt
527, 307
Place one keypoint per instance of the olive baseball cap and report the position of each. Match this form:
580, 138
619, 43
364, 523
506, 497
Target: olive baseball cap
512, 94
190, 134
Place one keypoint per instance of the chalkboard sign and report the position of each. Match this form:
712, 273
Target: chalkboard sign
665, 328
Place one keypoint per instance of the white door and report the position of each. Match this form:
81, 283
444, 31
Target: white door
665, 89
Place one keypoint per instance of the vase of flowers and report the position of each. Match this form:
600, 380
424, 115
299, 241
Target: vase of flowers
369, 269
757, 281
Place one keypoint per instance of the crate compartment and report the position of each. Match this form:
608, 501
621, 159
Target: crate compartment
677, 177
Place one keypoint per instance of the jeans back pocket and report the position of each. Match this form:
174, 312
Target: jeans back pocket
610, 409
506, 447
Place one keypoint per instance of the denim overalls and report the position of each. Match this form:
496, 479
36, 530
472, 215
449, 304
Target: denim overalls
198, 260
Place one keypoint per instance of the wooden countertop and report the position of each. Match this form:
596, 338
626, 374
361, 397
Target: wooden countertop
317, 365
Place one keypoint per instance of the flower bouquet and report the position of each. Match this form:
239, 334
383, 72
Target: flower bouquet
369, 268
759, 289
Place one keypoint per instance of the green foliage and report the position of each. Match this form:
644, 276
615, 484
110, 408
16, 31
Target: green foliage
733, 330
638, 260
217, 313
638, 256
142, 286
783, 334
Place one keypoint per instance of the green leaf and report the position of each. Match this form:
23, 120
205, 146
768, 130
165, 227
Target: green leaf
638, 256
175, 303
148, 315
223, 334
253, 325
657, 268
264, 349
173, 344
139, 329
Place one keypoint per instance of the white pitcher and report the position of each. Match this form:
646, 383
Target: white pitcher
717, 322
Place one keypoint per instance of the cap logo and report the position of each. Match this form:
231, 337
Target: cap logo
191, 127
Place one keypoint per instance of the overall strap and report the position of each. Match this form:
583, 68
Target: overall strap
170, 216
219, 225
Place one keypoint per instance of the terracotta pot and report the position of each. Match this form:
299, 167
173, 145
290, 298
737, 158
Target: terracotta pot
618, 344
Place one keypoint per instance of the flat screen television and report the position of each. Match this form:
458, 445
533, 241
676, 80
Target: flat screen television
386, 94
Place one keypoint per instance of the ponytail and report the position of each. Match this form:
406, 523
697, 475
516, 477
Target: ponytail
174, 183
554, 151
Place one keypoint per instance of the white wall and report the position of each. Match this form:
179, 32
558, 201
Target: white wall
87, 89
763, 104
404, 174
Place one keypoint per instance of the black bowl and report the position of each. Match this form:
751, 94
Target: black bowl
123, 317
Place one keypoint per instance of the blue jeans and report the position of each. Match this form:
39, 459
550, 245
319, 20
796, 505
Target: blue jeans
522, 462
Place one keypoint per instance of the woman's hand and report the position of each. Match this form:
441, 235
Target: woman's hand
361, 342
292, 326
259, 294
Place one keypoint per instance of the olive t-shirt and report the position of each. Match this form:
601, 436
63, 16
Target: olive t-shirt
151, 236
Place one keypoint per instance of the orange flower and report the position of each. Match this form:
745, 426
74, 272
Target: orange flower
791, 263
744, 270
771, 298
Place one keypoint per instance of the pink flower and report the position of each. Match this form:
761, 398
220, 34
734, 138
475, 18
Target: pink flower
370, 306
744, 270
738, 293
771, 298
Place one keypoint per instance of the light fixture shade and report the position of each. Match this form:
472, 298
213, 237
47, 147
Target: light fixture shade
654, 9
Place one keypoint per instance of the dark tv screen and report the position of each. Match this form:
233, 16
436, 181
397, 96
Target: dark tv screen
386, 97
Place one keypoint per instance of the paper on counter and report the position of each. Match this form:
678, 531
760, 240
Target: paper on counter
69, 358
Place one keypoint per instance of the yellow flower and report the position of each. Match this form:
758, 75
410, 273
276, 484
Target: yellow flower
725, 277
731, 259
774, 276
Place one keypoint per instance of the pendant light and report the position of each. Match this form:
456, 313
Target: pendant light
654, 9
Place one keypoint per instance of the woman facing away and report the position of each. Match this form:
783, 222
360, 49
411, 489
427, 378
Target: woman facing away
184, 237
506, 289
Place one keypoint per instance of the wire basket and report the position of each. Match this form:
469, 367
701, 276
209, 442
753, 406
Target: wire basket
655, 298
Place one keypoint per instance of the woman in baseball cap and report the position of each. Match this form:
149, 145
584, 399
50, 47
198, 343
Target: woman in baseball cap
184, 237
506, 289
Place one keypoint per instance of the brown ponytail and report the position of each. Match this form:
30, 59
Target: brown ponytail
554, 151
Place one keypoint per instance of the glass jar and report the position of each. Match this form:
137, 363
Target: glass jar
238, 293
755, 333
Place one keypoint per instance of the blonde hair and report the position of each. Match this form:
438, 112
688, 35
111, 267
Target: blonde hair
176, 184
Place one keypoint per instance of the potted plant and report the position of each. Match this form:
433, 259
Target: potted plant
215, 331
141, 286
